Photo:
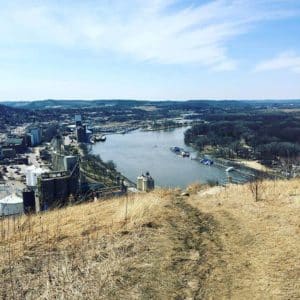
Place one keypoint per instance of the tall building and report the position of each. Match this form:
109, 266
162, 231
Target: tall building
35, 135
81, 134
78, 120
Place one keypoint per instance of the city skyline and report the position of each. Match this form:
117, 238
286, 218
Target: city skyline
140, 50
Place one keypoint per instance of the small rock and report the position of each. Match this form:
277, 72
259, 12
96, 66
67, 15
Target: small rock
185, 194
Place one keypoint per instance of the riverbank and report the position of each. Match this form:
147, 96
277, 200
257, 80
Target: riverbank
95, 170
253, 164
163, 128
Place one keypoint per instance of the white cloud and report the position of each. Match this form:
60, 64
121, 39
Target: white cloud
287, 60
142, 30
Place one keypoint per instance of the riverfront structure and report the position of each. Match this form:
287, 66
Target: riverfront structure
145, 183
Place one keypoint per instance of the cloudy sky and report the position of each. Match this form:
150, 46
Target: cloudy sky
149, 49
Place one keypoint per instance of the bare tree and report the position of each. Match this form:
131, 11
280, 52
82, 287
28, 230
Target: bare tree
255, 186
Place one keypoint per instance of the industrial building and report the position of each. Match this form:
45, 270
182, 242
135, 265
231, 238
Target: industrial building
17, 144
8, 153
54, 188
145, 182
69, 162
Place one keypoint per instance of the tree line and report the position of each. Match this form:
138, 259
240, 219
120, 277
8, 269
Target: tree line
264, 136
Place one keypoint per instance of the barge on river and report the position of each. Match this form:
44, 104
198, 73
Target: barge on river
180, 151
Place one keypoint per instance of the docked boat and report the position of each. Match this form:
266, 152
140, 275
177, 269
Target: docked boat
229, 169
180, 151
100, 138
207, 161
185, 153
175, 149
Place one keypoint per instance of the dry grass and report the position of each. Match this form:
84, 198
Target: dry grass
217, 244
67, 226
194, 188
253, 165
53, 254
260, 257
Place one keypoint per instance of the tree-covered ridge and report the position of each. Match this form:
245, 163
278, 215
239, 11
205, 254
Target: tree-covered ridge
265, 136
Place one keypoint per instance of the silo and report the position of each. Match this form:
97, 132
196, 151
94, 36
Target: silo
140, 183
32, 174
145, 183
29, 201
148, 183
61, 189
151, 184
46, 192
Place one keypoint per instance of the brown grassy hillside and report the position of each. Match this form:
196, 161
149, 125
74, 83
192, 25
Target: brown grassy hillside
216, 244
260, 257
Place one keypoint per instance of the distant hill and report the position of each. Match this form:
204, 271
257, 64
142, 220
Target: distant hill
5, 110
46, 104
12, 115
51, 103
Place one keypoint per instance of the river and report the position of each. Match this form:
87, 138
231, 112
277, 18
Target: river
139, 151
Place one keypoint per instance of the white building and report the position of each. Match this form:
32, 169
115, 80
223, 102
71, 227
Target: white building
11, 205
32, 173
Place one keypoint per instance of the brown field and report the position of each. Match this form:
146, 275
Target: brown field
253, 165
218, 243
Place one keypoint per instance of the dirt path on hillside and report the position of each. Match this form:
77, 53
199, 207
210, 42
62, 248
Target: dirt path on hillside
193, 235
180, 257
259, 249
207, 246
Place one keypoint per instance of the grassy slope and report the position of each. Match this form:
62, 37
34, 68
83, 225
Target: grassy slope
260, 257
217, 243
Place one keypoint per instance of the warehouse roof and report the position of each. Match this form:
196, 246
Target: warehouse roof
11, 199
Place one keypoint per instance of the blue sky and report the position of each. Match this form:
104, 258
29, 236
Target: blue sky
142, 49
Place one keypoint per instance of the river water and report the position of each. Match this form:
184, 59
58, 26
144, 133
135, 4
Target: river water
136, 152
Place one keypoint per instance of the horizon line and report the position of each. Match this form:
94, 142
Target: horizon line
153, 100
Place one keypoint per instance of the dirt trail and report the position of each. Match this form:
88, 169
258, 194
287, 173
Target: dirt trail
192, 234
259, 246
217, 244
181, 248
